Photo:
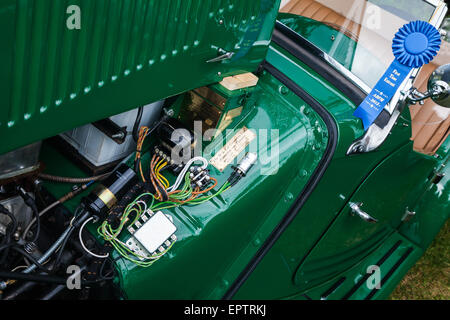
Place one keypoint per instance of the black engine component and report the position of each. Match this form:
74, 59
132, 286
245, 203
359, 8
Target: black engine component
106, 195
178, 140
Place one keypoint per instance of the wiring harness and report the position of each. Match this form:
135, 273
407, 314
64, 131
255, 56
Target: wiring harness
111, 229
154, 193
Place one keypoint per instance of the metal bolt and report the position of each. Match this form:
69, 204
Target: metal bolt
289, 196
119, 135
169, 112
283, 90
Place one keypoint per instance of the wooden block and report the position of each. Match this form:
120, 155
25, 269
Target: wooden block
240, 81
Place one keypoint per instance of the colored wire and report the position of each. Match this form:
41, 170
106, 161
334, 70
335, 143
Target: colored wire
183, 172
157, 184
143, 132
161, 164
80, 236
111, 235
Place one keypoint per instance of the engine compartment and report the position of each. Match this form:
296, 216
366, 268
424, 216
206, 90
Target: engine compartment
154, 211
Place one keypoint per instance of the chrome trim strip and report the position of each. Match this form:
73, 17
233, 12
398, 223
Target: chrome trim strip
347, 73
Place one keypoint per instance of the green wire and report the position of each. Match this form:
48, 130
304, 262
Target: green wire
111, 235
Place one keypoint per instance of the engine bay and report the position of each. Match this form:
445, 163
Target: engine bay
157, 188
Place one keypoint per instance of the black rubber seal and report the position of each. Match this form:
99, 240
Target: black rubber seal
314, 58
310, 186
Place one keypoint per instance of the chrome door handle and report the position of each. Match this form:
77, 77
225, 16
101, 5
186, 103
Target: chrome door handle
356, 210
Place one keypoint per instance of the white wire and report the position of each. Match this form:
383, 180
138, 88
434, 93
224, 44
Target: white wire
183, 172
84, 246
143, 202
19, 267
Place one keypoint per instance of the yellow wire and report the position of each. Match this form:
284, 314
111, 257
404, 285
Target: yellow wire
161, 164
163, 179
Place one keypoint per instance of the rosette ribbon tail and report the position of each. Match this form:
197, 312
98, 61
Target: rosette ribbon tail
414, 45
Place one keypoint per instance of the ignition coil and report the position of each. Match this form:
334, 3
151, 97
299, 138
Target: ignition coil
106, 195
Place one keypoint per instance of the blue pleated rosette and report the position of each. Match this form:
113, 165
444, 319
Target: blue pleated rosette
414, 45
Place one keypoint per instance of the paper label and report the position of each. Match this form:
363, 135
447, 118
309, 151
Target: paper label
232, 149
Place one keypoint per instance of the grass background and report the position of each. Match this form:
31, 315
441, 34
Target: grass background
429, 279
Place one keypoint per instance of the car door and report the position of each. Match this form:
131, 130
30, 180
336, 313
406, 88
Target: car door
384, 195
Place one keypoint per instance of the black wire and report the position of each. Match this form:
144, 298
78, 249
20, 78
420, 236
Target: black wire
37, 223
42, 278
5, 246
137, 123
31, 258
112, 271
61, 248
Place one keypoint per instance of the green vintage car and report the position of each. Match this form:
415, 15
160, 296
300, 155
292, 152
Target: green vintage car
208, 149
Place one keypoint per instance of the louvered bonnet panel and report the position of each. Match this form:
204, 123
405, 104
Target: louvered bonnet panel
126, 54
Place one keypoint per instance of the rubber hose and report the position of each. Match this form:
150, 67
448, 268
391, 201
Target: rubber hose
52, 178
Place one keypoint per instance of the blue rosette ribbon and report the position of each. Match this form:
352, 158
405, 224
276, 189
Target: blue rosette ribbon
414, 45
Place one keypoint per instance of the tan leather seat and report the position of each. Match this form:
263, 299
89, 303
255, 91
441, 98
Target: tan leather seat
370, 40
430, 122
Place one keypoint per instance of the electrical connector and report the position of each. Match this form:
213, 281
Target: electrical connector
247, 162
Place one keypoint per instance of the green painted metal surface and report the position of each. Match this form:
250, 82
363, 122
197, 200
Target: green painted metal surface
127, 53
328, 205
217, 236
432, 206
350, 239
355, 283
